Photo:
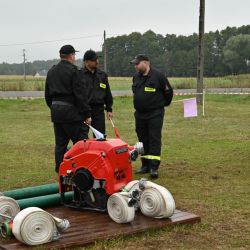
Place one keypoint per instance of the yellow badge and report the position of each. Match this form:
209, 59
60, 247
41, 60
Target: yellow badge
103, 85
148, 89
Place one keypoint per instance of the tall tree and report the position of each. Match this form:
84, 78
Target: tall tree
237, 54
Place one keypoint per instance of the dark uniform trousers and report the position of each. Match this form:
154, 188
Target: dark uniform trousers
64, 132
98, 118
152, 92
149, 133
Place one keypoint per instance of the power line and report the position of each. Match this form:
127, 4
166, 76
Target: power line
58, 40
48, 41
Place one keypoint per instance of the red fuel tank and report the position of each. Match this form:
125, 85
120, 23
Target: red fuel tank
107, 160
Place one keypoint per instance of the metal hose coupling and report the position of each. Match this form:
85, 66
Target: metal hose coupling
142, 183
62, 224
6, 229
138, 150
139, 147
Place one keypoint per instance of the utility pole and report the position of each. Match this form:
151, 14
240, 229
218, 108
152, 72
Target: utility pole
200, 65
24, 66
105, 52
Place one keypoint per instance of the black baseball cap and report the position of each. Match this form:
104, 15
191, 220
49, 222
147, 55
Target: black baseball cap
67, 49
139, 58
90, 55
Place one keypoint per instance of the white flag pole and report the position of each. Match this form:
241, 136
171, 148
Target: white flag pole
203, 106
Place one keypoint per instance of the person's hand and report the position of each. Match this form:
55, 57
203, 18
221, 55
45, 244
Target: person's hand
109, 115
88, 120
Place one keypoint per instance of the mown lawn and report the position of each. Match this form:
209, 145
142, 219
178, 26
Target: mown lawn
205, 164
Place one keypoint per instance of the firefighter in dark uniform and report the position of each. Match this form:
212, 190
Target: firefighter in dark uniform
152, 92
100, 97
66, 97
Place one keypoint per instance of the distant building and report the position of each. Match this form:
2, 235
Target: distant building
41, 73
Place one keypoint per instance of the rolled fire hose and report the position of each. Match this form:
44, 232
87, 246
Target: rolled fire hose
156, 201
34, 226
9, 208
118, 208
153, 200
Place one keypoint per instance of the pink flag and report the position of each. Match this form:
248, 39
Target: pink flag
190, 107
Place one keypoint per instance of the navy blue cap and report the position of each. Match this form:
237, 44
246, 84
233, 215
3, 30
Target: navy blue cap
90, 55
67, 49
139, 58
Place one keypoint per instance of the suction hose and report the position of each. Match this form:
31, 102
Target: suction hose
29, 192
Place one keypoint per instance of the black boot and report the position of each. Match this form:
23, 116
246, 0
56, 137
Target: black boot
154, 165
154, 173
144, 168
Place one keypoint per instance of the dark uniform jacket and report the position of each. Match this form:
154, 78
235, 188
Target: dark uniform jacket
65, 95
99, 89
151, 92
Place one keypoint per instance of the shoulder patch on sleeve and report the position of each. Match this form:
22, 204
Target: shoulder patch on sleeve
103, 85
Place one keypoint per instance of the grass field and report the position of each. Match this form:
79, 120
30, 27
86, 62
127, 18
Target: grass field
124, 83
205, 164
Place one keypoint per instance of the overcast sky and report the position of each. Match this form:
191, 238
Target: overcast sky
28, 21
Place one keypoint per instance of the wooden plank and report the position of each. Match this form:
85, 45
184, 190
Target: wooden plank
89, 226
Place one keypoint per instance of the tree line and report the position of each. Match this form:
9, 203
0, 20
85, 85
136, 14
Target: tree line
226, 52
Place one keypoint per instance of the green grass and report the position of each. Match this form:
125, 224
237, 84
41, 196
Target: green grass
16, 83
205, 164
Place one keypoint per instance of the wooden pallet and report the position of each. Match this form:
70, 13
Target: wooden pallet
87, 227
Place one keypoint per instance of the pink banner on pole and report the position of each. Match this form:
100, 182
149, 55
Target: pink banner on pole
190, 107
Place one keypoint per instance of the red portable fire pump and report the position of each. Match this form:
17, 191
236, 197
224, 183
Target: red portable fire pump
94, 169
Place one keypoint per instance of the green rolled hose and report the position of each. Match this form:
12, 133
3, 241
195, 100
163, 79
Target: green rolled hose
44, 201
30, 192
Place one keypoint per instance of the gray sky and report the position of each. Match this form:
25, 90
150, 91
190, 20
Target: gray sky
25, 21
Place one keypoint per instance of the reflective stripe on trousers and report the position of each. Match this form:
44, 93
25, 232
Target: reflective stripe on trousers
151, 157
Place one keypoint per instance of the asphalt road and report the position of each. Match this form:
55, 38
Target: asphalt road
40, 94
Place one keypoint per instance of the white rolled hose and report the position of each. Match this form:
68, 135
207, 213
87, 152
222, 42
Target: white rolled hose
152, 199
156, 201
132, 185
9, 208
118, 208
34, 226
